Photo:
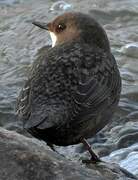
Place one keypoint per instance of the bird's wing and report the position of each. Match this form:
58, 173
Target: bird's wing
98, 86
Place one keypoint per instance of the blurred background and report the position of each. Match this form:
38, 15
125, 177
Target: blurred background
20, 41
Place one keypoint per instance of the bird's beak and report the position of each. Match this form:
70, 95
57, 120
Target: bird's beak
41, 25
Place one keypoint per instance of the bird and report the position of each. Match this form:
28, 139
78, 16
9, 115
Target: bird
74, 87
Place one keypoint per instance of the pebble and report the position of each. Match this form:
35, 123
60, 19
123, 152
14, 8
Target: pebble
60, 6
130, 49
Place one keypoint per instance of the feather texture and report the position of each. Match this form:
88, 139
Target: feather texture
69, 86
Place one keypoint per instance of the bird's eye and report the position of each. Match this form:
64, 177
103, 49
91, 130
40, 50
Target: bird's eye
60, 27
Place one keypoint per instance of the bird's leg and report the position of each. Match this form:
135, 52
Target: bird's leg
54, 149
94, 157
51, 146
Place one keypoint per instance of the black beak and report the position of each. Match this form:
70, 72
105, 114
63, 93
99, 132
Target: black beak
41, 24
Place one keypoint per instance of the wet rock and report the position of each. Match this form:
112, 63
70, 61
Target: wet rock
126, 158
60, 6
121, 133
27, 158
130, 49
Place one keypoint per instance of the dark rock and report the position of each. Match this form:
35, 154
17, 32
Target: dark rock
25, 158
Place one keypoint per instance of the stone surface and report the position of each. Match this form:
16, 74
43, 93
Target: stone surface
25, 158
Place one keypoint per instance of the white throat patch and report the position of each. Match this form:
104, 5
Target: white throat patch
53, 38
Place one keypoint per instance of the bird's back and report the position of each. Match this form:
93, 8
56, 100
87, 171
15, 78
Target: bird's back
72, 91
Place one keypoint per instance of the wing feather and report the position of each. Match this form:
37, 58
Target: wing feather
102, 86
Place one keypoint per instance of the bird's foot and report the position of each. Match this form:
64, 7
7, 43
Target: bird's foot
91, 161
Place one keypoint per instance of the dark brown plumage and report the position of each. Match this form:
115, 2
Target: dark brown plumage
73, 88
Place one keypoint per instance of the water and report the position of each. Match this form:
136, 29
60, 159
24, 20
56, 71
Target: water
8, 2
20, 40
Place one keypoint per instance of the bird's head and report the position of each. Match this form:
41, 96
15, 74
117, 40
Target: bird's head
75, 26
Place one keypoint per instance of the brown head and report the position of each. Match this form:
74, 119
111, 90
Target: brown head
74, 26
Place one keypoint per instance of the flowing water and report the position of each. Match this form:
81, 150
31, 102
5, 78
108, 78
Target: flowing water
20, 40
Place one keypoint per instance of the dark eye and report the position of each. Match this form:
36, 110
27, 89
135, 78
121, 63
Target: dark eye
60, 27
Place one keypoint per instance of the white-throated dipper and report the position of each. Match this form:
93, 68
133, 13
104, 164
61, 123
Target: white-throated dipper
74, 88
